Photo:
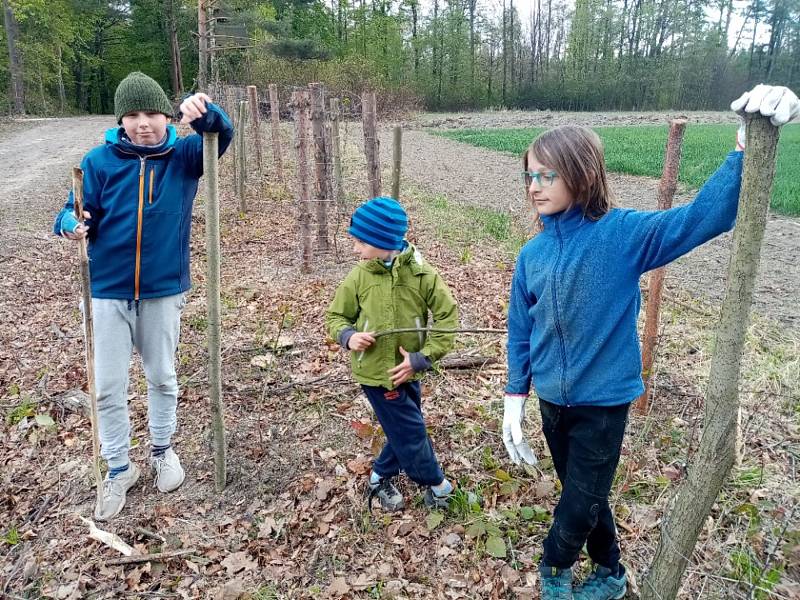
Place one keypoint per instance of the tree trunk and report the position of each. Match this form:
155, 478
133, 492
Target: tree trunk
176, 71
211, 174
717, 451
17, 90
371, 144
62, 94
397, 158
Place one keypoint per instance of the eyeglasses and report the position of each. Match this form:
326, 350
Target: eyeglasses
541, 179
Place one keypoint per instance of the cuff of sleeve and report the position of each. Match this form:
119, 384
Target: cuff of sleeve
344, 337
516, 394
68, 223
419, 362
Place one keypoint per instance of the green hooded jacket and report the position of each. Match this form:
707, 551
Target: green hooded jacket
374, 297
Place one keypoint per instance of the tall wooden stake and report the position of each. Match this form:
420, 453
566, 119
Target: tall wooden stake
241, 171
371, 144
202, 39
337, 153
397, 158
275, 115
717, 452
211, 173
666, 191
320, 164
300, 105
88, 327
255, 122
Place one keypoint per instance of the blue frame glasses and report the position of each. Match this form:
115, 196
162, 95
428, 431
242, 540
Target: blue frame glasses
541, 179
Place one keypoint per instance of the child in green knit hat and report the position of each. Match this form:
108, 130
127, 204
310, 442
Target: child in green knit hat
139, 187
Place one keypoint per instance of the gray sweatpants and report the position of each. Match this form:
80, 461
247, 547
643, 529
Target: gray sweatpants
118, 329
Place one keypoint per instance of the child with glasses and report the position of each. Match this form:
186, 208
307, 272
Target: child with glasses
572, 327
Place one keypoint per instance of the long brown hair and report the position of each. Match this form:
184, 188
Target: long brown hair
576, 154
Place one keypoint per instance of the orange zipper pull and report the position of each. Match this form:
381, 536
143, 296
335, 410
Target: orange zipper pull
152, 173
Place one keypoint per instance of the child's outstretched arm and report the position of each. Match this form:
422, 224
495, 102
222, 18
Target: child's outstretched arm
203, 116
654, 239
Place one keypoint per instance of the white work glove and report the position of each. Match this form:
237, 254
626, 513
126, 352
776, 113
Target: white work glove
513, 413
774, 101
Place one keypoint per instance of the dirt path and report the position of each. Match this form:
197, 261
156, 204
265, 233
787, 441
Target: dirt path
490, 179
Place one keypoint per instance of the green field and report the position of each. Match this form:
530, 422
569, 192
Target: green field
639, 150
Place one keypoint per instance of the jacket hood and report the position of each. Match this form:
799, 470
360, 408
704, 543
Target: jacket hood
409, 256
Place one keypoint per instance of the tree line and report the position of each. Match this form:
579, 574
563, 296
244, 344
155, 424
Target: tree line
68, 55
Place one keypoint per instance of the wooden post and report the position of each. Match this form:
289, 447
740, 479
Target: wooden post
241, 177
371, 144
666, 191
275, 114
88, 328
211, 174
255, 122
202, 39
320, 164
397, 157
717, 453
336, 153
300, 105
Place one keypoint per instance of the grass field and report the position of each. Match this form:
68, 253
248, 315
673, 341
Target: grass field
639, 150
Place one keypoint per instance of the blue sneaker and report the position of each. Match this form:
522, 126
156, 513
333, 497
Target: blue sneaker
556, 584
601, 585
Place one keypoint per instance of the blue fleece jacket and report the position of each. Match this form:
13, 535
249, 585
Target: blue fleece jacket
575, 292
140, 199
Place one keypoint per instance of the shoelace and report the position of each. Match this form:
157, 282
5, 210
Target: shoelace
384, 485
110, 490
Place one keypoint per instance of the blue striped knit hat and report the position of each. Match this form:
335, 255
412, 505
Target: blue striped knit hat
380, 222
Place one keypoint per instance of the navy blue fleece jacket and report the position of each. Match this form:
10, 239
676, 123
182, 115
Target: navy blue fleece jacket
141, 202
575, 294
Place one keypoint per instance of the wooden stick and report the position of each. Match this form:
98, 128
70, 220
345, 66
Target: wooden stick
320, 164
140, 558
275, 114
666, 191
378, 334
397, 157
255, 122
211, 172
300, 104
88, 325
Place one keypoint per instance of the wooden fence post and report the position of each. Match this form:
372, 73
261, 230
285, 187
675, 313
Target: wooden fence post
241, 177
300, 106
397, 157
666, 191
211, 175
275, 115
717, 452
371, 144
320, 164
337, 153
255, 122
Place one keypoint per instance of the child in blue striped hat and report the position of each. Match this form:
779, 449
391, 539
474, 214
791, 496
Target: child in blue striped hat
394, 288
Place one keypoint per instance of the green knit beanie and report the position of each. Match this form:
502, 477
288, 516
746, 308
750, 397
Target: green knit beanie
138, 92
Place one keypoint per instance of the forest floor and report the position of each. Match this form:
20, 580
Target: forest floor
292, 522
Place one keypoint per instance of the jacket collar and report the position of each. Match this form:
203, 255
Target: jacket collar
409, 257
565, 222
115, 137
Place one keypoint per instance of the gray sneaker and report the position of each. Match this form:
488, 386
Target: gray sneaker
169, 472
114, 491
387, 494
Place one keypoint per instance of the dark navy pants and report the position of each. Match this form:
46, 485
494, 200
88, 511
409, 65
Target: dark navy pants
408, 447
585, 442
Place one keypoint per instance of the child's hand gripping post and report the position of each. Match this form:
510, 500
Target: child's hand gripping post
88, 324
513, 412
778, 103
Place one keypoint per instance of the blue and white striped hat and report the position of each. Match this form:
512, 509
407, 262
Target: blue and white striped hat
380, 222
